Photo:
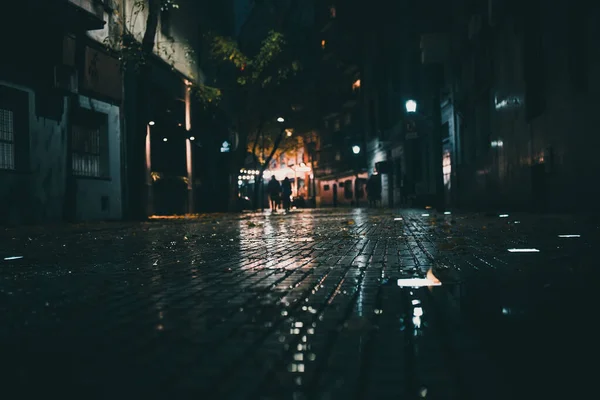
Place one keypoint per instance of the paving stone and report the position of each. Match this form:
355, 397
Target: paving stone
298, 306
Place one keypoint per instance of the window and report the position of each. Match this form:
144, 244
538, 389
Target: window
14, 129
326, 187
7, 137
89, 141
332, 11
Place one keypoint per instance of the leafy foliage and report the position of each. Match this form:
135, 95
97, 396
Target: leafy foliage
206, 94
288, 146
260, 69
122, 39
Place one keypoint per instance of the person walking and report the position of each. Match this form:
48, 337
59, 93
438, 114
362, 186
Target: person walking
286, 192
274, 190
374, 190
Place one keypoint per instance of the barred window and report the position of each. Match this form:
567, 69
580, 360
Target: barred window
90, 145
7, 137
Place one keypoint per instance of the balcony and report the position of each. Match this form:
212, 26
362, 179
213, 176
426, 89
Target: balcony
86, 14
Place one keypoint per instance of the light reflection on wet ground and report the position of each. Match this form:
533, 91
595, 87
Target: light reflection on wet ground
305, 305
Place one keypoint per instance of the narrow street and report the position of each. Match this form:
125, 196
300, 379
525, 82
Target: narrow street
300, 306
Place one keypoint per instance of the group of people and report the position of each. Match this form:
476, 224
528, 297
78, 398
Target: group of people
279, 192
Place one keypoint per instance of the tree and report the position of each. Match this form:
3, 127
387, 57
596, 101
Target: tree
263, 92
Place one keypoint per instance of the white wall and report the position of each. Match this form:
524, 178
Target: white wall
91, 191
174, 51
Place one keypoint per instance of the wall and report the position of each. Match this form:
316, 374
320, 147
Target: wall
376, 152
548, 163
36, 195
90, 191
178, 48
326, 196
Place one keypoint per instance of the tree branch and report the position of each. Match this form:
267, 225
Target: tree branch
274, 150
259, 129
151, 26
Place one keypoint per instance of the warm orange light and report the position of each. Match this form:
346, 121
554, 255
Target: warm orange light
188, 159
188, 112
356, 84
148, 157
323, 43
432, 277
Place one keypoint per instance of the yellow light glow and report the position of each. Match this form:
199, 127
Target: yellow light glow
148, 157
356, 84
188, 107
432, 277
188, 162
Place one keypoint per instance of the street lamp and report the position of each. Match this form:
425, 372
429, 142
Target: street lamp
411, 106
151, 123
288, 132
280, 119
192, 138
165, 139
356, 149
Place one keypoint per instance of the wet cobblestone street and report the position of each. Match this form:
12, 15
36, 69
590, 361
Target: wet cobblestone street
301, 306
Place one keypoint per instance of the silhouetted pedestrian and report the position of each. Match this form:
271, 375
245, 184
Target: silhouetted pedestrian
274, 190
286, 192
374, 189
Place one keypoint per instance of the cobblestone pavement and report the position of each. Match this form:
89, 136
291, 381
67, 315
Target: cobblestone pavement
300, 306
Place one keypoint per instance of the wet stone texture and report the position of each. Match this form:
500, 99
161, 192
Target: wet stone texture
301, 306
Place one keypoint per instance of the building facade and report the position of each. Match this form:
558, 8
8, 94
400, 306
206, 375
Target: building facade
60, 123
340, 165
66, 111
518, 105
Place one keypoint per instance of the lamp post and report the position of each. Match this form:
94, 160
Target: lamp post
411, 106
356, 161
